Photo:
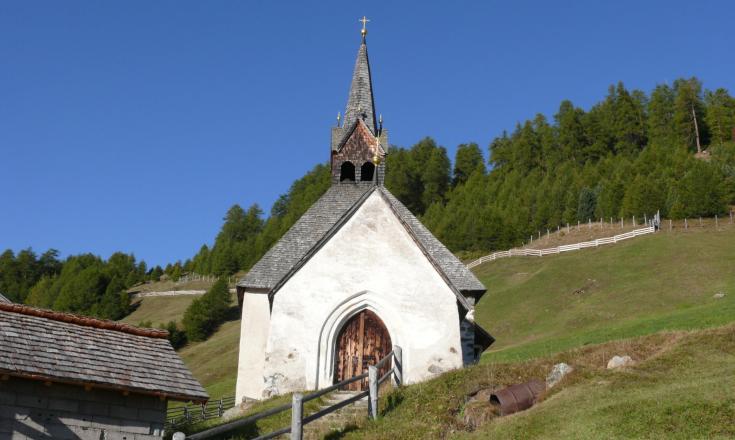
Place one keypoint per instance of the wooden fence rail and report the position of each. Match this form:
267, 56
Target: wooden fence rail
184, 415
559, 249
298, 421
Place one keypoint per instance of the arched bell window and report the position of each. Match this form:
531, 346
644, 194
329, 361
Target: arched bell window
367, 172
347, 172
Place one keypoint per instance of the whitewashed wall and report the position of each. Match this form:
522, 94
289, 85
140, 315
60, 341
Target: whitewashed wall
371, 262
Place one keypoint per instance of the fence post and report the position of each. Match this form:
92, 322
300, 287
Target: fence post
297, 408
730, 216
633, 220
398, 364
700, 221
204, 411
187, 416
670, 226
373, 388
717, 222
686, 224
221, 408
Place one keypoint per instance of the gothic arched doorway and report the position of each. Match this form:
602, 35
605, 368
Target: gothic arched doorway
363, 341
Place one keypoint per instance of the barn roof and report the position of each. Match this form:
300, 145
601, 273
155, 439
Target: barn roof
66, 348
3, 299
325, 217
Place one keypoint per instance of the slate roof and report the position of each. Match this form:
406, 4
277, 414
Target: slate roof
360, 102
325, 217
61, 347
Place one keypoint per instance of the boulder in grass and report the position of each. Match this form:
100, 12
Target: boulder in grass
557, 374
619, 362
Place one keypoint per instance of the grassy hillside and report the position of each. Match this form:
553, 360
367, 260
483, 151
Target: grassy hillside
159, 309
536, 306
214, 361
680, 388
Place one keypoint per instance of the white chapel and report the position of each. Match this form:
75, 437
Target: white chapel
356, 275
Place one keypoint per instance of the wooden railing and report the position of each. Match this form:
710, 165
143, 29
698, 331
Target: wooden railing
298, 421
184, 415
560, 249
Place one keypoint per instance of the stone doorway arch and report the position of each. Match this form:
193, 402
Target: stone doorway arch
362, 341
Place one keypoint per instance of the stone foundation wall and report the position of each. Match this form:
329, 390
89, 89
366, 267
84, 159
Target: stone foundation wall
31, 410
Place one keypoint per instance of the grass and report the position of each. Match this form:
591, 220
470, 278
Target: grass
662, 281
680, 388
159, 309
163, 286
214, 362
717, 312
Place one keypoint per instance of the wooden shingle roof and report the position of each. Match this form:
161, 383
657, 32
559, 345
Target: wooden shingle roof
65, 348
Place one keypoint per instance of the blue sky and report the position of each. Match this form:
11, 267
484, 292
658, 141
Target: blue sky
135, 125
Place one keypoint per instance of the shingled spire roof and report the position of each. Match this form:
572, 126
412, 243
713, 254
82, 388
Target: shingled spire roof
360, 103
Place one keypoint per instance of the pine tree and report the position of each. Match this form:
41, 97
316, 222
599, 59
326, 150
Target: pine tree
467, 160
629, 124
572, 139
689, 114
587, 205
720, 115
661, 116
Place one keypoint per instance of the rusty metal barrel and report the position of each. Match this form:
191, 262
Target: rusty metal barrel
517, 397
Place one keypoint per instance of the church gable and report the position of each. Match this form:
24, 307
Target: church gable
373, 235
370, 263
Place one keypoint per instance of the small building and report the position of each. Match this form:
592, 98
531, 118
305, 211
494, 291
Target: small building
65, 376
357, 274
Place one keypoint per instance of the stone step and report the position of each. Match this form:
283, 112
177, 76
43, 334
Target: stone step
340, 419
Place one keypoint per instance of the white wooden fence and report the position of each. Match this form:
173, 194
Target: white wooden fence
559, 249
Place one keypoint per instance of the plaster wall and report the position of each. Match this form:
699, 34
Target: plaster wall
254, 329
371, 262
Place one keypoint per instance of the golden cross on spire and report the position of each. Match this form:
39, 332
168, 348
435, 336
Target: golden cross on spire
364, 21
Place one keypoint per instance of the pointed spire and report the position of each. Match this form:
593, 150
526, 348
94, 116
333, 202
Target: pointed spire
360, 102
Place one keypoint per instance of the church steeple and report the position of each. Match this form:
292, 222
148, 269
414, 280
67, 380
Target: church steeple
359, 142
360, 103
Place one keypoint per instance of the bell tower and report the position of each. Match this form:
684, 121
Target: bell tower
359, 142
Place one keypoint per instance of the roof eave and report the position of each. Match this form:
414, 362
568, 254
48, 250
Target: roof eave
196, 398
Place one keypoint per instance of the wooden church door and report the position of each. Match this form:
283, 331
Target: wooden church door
362, 342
